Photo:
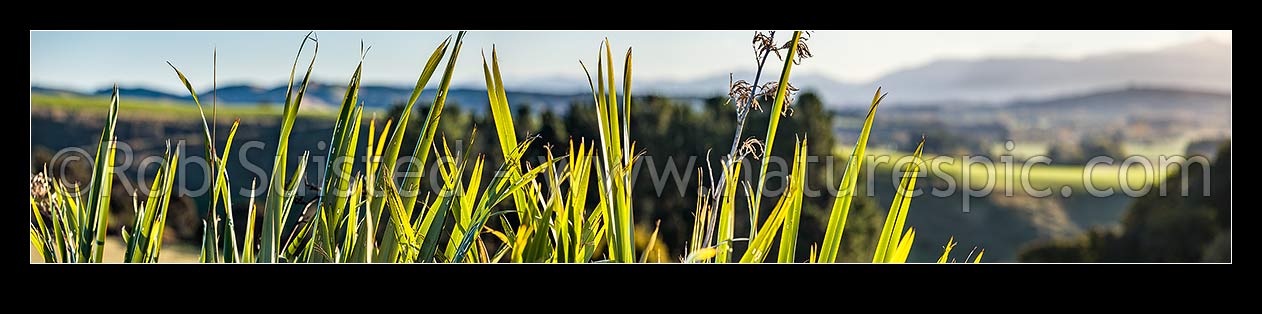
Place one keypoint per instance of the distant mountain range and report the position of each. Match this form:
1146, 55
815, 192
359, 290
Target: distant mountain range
1202, 65
1134, 98
331, 96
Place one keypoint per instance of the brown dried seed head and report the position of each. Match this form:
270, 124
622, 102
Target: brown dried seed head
752, 147
769, 92
39, 186
740, 93
762, 44
803, 50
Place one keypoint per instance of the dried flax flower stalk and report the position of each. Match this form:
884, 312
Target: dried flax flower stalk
740, 92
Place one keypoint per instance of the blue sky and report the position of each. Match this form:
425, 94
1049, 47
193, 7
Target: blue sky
95, 59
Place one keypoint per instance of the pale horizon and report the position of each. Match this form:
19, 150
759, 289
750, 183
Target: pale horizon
91, 60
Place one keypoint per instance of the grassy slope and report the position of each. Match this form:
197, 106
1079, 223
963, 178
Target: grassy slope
1150, 150
1040, 177
161, 108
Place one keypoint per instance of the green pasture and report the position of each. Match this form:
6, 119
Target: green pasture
1037, 176
162, 108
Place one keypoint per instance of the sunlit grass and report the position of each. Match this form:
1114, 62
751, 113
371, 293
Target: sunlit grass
1168, 147
158, 108
553, 221
1040, 176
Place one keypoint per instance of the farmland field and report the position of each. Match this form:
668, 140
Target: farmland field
1040, 176
162, 108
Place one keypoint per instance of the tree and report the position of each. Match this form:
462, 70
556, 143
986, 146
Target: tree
1159, 227
1087, 148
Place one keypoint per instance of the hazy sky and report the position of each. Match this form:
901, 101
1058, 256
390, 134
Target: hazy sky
95, 59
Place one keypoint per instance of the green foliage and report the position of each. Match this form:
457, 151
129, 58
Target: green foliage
841, 206
144, 242
792, 220
95, 216
555, 215
76, 229
279, 198
1087, 148
892, 248
616, 155
1162, 226
946, 250
384, 175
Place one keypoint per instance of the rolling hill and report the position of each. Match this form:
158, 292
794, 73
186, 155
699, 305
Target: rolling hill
1200, 65
1133, 98
328, 95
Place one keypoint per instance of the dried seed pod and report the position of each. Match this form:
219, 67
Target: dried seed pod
39, 186
768, 91
763, 44
739, 92
752, 147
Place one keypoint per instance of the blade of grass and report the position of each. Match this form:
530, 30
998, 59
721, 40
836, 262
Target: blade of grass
430, 127
37, 240
841, 204
247, 250
946, 250
420, 152
616, 164
644, 257
464, 217
286, 204
789, 234
337, 176
496, 193
92, 237
889, 241
727, 214
158, 229
449, 196
275, 208
230, 252
904, 247
141, 222
759, 246
387, 171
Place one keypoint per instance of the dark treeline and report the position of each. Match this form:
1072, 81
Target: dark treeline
1166, 227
